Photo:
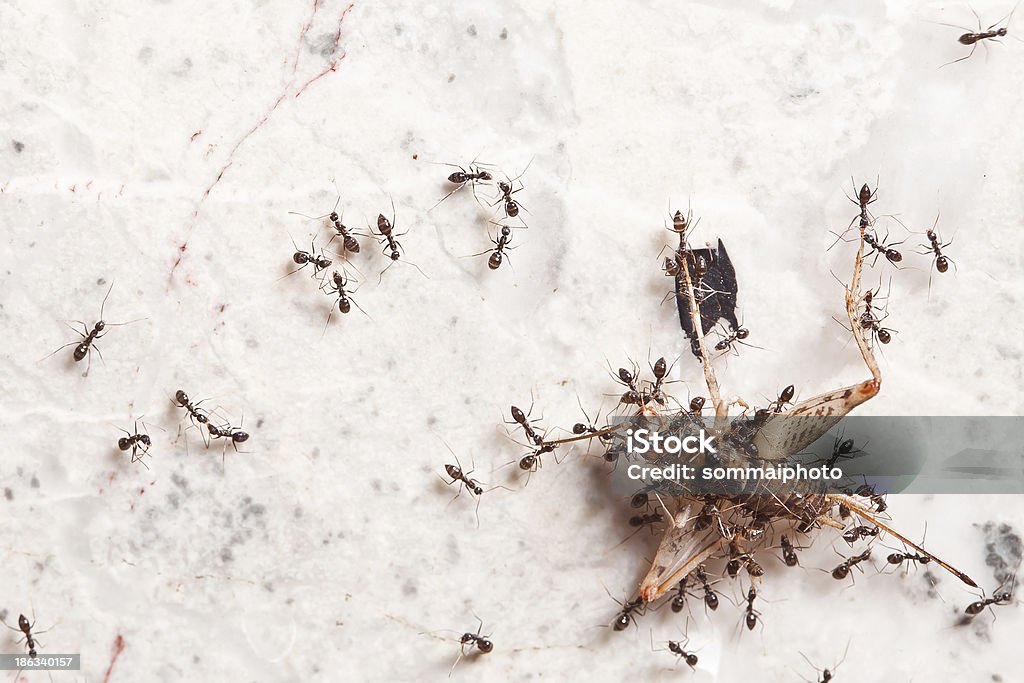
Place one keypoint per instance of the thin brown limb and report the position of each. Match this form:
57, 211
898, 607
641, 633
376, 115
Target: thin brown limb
853, 300
868, 515
721, 409
582, 437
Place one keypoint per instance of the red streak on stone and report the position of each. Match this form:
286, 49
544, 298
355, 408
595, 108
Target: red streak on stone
118, 649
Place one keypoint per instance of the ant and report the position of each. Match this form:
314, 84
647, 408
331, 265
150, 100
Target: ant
532, 461
498, 255
660, 369
522, 420
306, 258
510, 205
132, 441
880, 248
843, 570
898, 558
941, 261
868, 321
628, 379
482, 643
385, 228
736, 336
972, 38
853, 535
463, 479
625, 617
348, 240
975, 608
841, 449
638, 521
710, 596
234, 436
194, 412
785, 398
864, 197
877, 500
677, 647
679, 600
697, 405
338, 287
789, 555
85, 347
26, 628
752, 615
473, 176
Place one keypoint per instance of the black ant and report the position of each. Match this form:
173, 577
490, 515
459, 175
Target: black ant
785, 398
338, 288
660, 370
841, 449
194, 412
899, 558
309, 258
843, 570
752, 615
679, 600
625, 617
628, 379
522, 420
482, 643
26, 628
736, 336
677, 647
789, 555
233, 435
463, 479
473, 176
972, 38
532, 461
868, 321
498, 254
864, 197
710, 596
941, 261
348, 237
393, 248
880, 248
85, 347
510, 205
638, 521
877, 500
853, 535
975, 608
132, 441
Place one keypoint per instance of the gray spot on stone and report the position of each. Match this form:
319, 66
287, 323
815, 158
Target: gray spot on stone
504, 34
471, 30
8, 494
18, 146
34, 483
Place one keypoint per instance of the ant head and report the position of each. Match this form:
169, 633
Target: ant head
145, 439
504, 187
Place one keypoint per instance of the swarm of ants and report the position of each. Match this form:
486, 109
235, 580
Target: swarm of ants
733, 527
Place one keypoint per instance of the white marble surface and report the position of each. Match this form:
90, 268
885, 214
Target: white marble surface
161, 145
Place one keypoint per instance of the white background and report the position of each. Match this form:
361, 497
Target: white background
325, 549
